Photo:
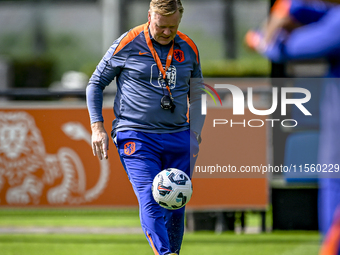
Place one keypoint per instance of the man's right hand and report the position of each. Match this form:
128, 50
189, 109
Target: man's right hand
100, 140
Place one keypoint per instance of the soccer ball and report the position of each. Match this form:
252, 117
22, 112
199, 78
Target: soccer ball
172, 188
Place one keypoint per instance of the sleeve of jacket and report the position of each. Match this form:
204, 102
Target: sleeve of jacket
315, 40
195, 98
306, 12
108, 68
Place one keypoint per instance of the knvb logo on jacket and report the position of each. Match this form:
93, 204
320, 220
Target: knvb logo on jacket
156, 77
179, 55
239, 105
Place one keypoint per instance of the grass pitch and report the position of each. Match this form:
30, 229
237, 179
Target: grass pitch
287, 243
69, 217
276, 243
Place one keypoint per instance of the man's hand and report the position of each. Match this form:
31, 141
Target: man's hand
100, 140
254, 40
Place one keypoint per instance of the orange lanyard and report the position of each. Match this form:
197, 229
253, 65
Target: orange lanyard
156, 57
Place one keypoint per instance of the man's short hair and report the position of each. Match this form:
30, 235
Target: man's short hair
166, 7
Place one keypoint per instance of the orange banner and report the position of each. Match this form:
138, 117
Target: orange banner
224, 175
46, 160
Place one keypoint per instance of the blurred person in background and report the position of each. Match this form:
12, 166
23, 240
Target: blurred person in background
153, 65
302, 30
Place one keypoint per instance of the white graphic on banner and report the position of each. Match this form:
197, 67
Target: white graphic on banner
28, 169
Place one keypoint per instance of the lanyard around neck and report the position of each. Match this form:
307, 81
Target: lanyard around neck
155, 55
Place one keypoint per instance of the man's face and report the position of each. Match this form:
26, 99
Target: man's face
164, 28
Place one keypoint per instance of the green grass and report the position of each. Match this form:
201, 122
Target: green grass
276, 243
244, 67
283, 243
73, 217
87, 218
